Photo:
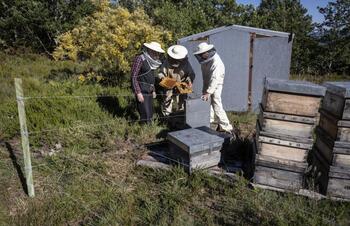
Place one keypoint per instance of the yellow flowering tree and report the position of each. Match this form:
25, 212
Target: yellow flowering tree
110, 37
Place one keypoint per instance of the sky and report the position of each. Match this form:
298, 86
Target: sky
310, 5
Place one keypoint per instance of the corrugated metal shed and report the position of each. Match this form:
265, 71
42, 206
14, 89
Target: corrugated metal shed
250, 55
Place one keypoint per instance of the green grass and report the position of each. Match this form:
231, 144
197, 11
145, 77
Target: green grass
320, 79
84, 165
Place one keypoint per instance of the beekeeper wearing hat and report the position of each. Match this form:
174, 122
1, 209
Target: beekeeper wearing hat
176, 66
143, 78
213, 71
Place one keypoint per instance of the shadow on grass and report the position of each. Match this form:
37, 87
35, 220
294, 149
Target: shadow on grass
17, 167
113, 106
60, 74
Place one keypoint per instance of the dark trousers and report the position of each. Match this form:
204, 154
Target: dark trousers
146, 108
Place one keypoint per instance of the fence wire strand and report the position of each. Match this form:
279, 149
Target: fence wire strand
97, 96
101, 124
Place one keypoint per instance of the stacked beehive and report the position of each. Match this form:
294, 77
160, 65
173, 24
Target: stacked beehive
332, 148
288, 116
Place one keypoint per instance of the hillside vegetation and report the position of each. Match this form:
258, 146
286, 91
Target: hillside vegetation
84, 151
74, 59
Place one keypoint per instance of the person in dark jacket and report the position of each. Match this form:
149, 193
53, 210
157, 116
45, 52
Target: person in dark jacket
177, 67
143, 78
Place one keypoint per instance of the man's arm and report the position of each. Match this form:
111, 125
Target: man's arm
163, 71
213, 82
136, 67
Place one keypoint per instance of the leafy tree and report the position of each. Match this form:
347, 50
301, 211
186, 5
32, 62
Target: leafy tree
185, 17
110, 37
335, 37
36, 23
289, 16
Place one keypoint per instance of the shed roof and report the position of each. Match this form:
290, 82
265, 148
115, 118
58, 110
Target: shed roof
236, 27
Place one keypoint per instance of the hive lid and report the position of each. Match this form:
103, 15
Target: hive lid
339, 88
293, 86
194, 140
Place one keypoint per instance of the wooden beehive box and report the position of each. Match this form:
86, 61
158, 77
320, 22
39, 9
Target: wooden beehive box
339, 130
286, 124
279, 173
281, 146
334, 153
333, 181
292, 97
194, 148
197, 111
337, 99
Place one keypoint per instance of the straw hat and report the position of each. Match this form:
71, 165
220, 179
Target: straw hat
203, 47
177, 52
155, 46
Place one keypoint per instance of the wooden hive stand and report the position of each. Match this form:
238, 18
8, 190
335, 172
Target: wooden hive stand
284, 138
331, 154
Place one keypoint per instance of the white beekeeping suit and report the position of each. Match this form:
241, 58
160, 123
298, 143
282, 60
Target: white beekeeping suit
213, 71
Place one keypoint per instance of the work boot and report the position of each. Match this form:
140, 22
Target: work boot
230, 132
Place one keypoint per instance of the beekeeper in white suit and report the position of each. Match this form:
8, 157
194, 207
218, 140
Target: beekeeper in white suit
213, 71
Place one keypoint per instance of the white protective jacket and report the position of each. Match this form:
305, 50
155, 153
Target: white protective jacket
213, 74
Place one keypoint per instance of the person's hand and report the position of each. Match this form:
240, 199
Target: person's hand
205, 96
154, 95
189, 84
140, 98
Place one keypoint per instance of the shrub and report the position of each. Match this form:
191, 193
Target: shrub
110, 38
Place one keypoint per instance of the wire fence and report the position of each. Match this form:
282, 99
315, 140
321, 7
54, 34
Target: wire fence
99, 96
91, 125
103, 124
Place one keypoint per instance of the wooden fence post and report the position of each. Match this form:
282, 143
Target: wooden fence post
24, 136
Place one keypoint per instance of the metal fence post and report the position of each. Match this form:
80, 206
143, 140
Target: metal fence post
24, 136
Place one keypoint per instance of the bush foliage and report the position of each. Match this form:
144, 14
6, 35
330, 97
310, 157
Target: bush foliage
110, 37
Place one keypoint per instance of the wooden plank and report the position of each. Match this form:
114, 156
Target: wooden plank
260, 132
272, 134
156, 163
341, 144
343, 134
24, 137
340, 175
334, 104
294, 86
282, 164
345, 151
283, 152
288, 128
206, 160
284, 142
338, 147
324, 149
346, 113
339, 169
153, 164
287, 117
339, 188
292, 104
338, 92
344, 123
302, 192
341, 160
278, 178
330, 125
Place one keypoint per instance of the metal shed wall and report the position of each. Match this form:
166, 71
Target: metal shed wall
271, 58
233, 48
